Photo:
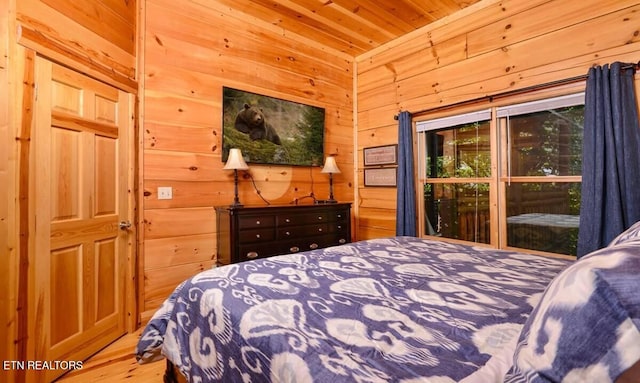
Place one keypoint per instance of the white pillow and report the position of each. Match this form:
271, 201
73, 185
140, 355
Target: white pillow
631, 234
586, 327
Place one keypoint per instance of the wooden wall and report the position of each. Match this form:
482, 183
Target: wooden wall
191, 50
488, 48
7, 196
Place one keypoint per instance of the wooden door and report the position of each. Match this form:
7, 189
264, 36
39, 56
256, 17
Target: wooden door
77, 286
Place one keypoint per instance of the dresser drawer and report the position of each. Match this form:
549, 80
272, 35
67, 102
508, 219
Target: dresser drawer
340, 215
317, 242
292, 232
340, 228
257, 235
293, 219
254, 251
302, 244
253, 221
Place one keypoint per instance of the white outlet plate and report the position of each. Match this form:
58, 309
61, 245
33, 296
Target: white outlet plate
165, 192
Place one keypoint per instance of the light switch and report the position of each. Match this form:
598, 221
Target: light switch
165, 192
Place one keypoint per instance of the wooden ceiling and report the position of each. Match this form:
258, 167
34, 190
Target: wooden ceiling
350, 26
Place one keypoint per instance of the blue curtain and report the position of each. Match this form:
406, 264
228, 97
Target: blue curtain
406, 201
610, 158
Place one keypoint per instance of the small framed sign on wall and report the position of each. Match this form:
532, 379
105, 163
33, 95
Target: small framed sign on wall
384, 177
380, 155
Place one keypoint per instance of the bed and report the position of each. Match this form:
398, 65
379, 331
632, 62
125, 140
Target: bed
400, 309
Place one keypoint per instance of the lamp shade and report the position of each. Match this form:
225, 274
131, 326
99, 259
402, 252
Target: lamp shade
235, 161
330, 165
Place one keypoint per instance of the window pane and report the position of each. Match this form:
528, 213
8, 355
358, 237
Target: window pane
547, 143
543, 216
459, 211
462, 151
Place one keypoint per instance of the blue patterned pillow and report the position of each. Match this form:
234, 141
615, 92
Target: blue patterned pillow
631, 234
586, 327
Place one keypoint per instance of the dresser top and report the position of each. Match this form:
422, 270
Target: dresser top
280, 207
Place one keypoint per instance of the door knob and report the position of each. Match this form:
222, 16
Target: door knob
125, 225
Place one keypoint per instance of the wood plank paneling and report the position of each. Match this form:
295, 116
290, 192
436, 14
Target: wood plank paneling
538, 21
182, 166
97, 37
8, 221
7, 235
242, 53
161, 223
159, 283
187, 193
562, 69
24, 65
528, 54
189, 57
165, 252
179, 110
377, 197
348, 27
182, 138
470, 19
114, 25
378, 219
508, 45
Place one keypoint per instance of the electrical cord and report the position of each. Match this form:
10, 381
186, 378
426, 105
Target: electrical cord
295, 200
253, 181
311, 195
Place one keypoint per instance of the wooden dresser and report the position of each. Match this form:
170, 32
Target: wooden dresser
246, 233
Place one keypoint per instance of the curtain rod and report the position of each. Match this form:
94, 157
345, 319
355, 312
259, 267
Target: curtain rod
512, 92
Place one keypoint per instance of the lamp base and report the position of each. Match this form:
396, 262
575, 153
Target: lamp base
325, 201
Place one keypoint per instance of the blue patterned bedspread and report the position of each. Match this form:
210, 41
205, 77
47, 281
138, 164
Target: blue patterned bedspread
399, 309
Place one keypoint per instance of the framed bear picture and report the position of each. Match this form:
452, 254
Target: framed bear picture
270, 130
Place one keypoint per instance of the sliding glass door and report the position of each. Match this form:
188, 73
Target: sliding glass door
508, 176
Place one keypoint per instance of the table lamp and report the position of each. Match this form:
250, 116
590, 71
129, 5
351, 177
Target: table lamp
235, 162
331, 168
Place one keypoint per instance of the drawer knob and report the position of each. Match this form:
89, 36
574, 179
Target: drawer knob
258, 236
339, 226
252, 255
313, 246
342, 241
287, 233
257, 222
320, 229
339, 215
319, 218
294, 249
287, 220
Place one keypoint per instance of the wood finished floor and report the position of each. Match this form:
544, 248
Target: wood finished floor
116, 363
